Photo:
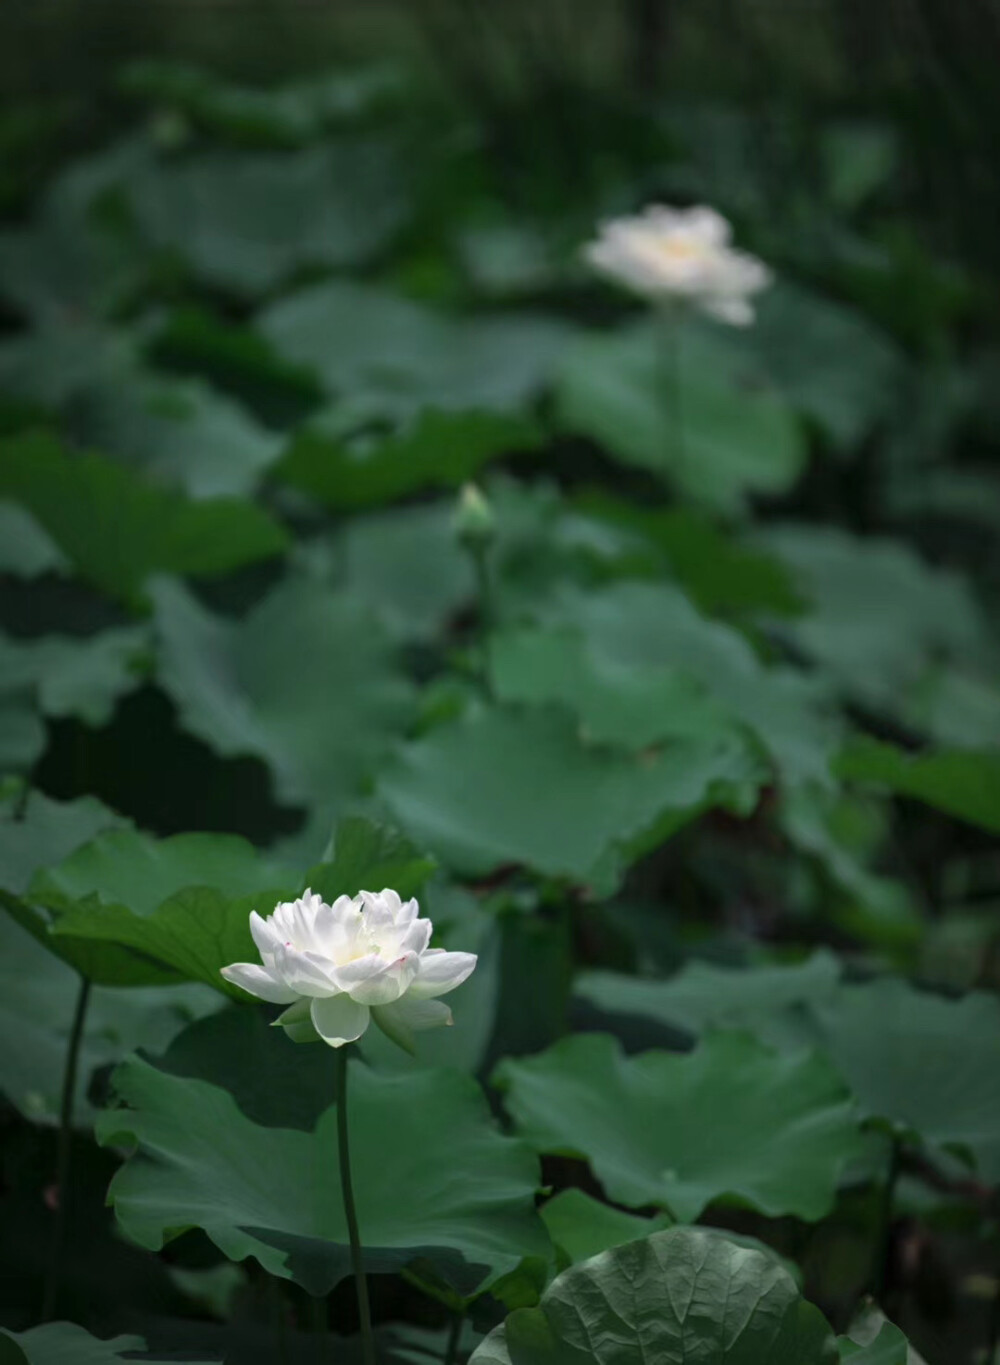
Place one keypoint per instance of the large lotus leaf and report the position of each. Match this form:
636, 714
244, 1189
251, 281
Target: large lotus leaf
127, 909
437, 450
540, 540
923, 1063
237, 360
433, 1178
873, 1340
283, 1087
71, 262
307, 682
130, 909
889, 1347
290, 1087
363, 856
680, 404
860, 157
685, 1294
193, 935
878, 615
36, 831
64, 1343
581, 1226
285, 115
22, 734
391, 355
957, 707
833, 364
80, 676
131, 868
64, 266
731, 1119
648, 627
38, 995
703, 996
245, 222
25, 548
273, 1082
616, 703
118, 530
52, 364
182, 432
582, 540
190, 937
503, 786
395, 860
963, 782
379, 552
719, 572
61, 266
843, 835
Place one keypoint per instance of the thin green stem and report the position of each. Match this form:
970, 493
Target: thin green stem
672, 382
484, 587
993, 1341
484, 596
450, 1356
350, 1213
880, 1270
64, 1153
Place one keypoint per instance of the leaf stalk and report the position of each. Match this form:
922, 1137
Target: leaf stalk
64, 1153
350, 1212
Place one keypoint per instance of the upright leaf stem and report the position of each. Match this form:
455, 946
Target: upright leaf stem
880, 1270
670, 343
474, 527
993, 1340
450, 1356
64, 1153
350, 1213
484, 593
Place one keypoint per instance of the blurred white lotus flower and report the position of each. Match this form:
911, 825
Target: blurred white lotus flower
339, 966
681, 254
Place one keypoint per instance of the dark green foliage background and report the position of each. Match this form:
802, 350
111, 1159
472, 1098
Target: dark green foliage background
702, 759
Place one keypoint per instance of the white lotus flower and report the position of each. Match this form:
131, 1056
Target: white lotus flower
682, 254
339, 966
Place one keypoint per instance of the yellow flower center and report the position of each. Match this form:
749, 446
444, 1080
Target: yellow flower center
677, 248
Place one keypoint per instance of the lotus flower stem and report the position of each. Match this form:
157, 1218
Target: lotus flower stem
475, 528
484, 593
64, 1153
484, 589
350, 1213
670, 334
